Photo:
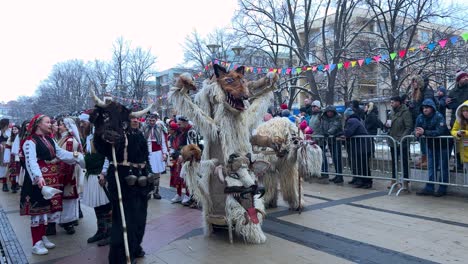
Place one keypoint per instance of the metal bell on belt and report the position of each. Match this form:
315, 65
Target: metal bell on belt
142, 181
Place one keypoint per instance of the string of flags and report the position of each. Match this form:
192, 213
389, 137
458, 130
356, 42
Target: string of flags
140, 101
341, 65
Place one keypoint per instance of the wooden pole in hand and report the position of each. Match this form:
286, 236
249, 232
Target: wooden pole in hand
122, 213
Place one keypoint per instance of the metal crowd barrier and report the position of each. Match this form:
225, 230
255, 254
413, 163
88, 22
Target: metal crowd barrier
443, 164
366, 157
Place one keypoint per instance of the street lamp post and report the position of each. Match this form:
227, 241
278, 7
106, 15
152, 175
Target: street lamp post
237, 52
213, 49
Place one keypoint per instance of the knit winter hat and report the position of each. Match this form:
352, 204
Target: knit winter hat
460, 75
284, 106
348, 112
316, 103
303, 125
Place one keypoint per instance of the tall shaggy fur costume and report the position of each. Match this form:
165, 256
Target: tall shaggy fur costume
200, 176
310, 160
225, 110
284, 165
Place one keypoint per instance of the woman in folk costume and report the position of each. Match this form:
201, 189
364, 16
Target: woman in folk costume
69, 141
94, 189
154, 133
4, 135
42, 156
11, 158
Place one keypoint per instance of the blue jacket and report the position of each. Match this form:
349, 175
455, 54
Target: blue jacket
434, 125
354, 127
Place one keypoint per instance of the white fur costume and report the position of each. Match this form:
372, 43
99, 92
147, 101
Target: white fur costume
224, 131
300, 156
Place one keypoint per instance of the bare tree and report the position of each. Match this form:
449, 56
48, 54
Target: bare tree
140, 63
119, 61
195, 51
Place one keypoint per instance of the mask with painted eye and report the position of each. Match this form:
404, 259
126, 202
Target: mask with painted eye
229, 80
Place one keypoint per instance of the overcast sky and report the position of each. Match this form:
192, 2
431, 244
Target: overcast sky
38, 34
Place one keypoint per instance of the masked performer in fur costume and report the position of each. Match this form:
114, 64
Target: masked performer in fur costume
118, 127
226, 109
285, 151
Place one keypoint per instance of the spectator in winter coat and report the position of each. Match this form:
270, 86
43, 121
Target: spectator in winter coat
331, 128
420, 92
314, 120
400, 125
460, 132
372, 121
355, 106
359, 149
441, 98
457, 95
431, 123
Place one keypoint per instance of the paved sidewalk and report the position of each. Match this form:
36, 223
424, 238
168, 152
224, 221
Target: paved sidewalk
339, 224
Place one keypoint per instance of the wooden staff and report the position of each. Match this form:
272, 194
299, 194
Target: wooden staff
122, 214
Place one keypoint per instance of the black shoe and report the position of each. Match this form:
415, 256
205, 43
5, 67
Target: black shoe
51, 230
338, 180
70, 229
140, 254
157, 196
364, 186
440, 194
97, 237
104, 242
5, 187
425, 192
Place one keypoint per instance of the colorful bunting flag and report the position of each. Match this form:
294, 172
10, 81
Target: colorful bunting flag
340, 65
298, 70
288, 71
320, 67
361, 61
402, 53
412, 49
377, 58
314, 68
442, 42
346, 64
353, 63
332, 67
464, 36
327, 67
431, 46
453, 40
422, 47
368, 61
384, 57
392, 55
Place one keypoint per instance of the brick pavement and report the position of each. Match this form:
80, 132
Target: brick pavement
340, 224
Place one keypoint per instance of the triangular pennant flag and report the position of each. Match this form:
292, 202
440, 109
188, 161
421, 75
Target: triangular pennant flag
422, 47
340, 65
384, 57
304, 68
346, 64
361, 61
431, 46
320, 67
314, 68
298, 70
275, 70
327, 67
254, 70
270, 70
353, 63
278, 70
206, 67
402, 53
412, 49
453, 40
216, 61
283, 71
288, 70
377, 58
392, 55
368, 61
464, 36
223, 63
236, 66
309, 68
332, 67
230, 66
259, 70
442, 42
251, 69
